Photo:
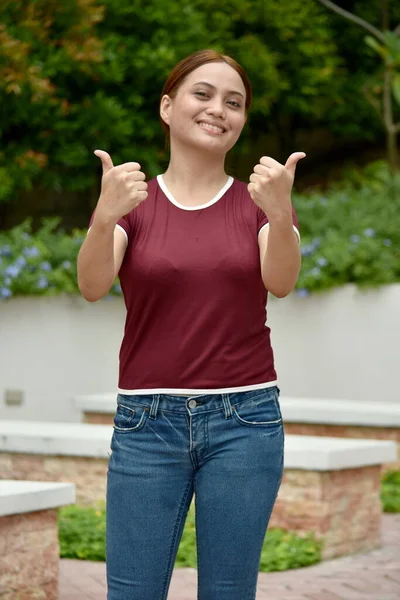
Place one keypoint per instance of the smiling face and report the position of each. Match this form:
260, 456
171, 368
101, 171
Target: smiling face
208, 110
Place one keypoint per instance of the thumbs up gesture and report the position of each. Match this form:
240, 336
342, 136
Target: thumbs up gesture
271, 184
123, 188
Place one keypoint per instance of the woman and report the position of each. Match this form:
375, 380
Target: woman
197, 407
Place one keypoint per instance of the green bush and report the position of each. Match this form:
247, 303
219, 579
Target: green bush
81, 532
82, 536
390, 492
350, 234
40, 263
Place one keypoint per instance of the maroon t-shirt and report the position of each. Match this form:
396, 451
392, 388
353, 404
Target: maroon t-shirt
195, 299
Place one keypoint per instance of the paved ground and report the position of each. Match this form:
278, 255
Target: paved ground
372, 576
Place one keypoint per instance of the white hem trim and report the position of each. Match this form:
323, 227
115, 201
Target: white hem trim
122, 229
294, 227
170, 197
188, 391
116, 227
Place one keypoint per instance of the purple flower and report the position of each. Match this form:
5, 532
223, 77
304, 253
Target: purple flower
42, 282
387, 242
355, 239
302, 292
66, 264
45, 265
307, 250
8, 281
315, 272
20, 262
31, 252
5, 293
322, 262
12, 270
6, 251
369, 232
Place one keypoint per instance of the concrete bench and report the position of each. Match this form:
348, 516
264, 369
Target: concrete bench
344, 418
29, 548
331, 486
302, 416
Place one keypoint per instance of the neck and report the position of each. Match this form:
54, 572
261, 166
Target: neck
192, 167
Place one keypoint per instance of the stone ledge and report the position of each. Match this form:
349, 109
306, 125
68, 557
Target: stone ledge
18, 497
314, 453
96, 403
340, 412
294, 410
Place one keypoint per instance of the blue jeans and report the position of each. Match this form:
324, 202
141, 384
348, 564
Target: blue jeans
227, 451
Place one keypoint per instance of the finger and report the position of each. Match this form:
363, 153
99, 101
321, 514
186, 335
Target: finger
292, 161
139, 186
136, 176
262, 170
142, 196
267, 161
106, 161
253, 178
129, 166
251, 188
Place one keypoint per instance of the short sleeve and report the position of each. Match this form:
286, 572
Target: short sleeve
124, 224
262, 221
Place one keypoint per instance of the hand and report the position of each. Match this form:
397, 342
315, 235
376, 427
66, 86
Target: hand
123, 188
271, 184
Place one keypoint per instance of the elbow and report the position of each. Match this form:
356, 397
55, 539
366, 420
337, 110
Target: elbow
279, 289
280, 292
89, 294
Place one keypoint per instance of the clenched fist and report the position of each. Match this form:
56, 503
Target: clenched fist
123, 188
271, 185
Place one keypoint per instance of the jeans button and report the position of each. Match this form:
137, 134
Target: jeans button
192, 403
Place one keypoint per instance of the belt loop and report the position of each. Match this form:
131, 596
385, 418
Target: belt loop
154, 406
227, 406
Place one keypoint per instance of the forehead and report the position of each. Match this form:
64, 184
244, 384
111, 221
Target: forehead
219, 74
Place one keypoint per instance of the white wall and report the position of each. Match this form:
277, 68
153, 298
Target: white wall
340, 344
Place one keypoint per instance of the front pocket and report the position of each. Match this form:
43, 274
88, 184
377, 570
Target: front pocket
130, 419
258, 412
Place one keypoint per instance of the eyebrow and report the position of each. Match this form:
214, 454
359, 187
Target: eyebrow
214, 88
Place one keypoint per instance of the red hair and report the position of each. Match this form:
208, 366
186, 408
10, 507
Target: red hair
191, 63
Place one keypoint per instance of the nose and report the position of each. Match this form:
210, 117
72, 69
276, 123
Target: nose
216, 108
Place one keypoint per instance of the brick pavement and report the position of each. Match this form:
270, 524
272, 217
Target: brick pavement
371, 576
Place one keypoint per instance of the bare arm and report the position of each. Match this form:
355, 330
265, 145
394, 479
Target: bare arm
280, 258
270, 188
100, 259
123, 188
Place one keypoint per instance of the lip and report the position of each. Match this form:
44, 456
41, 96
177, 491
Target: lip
213, 125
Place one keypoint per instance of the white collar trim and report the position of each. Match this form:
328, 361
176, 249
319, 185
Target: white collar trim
170, 197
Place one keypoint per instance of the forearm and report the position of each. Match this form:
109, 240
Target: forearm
96, 266
281, 263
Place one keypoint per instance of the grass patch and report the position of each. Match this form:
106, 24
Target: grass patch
82, 536
390, 492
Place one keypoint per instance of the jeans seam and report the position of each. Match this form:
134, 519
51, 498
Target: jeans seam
172, 552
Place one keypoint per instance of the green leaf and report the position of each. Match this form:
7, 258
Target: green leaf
396, 87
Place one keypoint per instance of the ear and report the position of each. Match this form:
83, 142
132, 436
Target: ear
165, 106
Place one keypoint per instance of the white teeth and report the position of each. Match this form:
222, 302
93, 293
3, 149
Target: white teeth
211, 127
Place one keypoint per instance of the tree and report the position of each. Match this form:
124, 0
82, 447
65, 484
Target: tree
381, 96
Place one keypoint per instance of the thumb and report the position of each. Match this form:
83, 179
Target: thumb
292, 161
106, 161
